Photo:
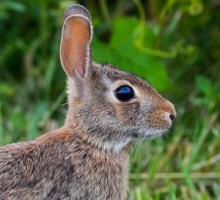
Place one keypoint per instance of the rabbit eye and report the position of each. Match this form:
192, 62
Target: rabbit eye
124, 93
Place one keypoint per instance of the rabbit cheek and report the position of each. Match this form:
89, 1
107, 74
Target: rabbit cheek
128, 112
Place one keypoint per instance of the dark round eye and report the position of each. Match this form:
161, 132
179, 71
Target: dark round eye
124, 93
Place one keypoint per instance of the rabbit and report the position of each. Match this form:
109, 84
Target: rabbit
87, 158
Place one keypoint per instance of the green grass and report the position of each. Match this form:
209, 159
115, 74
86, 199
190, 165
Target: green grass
173, 44
179, 167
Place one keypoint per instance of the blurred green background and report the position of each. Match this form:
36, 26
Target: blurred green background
174, 44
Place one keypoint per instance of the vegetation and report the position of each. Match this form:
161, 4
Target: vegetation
173, 44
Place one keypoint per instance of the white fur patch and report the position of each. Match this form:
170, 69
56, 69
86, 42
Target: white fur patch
116, 146
71, 87
152, 133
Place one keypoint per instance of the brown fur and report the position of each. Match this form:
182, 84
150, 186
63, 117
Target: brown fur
87, 158
58, 165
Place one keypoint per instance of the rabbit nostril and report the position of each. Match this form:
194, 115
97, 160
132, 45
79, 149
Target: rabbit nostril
172, 117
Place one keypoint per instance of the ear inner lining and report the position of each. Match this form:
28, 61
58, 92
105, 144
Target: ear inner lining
75, 45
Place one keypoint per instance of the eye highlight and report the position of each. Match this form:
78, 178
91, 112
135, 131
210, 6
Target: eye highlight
124, 93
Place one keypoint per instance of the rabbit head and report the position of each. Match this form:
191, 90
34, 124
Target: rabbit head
107, 107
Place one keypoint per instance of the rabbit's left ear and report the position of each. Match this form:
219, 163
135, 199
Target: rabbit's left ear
75, 41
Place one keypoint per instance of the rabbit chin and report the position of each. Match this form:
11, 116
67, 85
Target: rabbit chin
117, 146
152, 133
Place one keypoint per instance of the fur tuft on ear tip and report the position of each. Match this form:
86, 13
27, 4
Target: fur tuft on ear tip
77, 10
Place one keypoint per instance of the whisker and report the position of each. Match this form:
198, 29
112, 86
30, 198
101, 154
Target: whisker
64, 104
134, 147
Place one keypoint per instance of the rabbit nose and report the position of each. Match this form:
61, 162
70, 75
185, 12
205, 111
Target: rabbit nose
169, 110
172, 117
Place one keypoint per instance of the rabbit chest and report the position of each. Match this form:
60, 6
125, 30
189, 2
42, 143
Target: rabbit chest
62, 166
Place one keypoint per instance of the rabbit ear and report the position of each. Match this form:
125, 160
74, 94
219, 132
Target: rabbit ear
75, 40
